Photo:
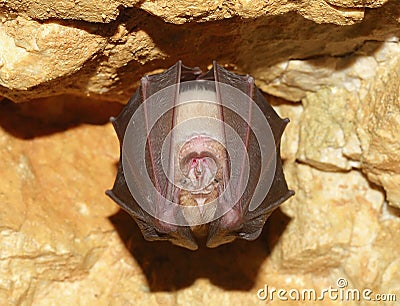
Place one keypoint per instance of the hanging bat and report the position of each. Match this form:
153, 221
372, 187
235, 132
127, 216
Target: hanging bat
200, 157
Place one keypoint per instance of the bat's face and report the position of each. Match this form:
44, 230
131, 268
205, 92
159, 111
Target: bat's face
201, 161
199, 157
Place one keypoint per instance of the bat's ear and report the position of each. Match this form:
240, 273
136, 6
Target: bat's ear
151, 228
159, 231
226, 229
218, 236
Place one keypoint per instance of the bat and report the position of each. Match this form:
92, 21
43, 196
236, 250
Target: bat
199, 157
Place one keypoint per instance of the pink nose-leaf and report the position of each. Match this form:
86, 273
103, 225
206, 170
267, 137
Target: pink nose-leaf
201, 171
199, 159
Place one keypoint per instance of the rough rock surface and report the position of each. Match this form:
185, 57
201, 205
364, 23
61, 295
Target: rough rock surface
332, 67
360, 126
179, 11
288, 54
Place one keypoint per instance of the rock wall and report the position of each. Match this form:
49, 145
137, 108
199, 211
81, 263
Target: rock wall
332, 67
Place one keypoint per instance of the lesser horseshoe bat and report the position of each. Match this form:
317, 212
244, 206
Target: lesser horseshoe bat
199, 157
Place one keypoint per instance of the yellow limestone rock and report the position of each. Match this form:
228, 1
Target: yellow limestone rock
32, 53
53, 221
379, 128
343, 129
67, 48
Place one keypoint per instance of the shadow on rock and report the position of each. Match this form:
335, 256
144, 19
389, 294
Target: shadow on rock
167, 267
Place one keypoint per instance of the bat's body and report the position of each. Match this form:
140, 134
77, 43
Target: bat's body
211, 154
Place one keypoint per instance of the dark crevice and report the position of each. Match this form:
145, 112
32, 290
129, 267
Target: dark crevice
48, 116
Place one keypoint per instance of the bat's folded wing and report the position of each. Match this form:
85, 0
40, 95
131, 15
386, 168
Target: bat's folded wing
151, 226
260, 129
